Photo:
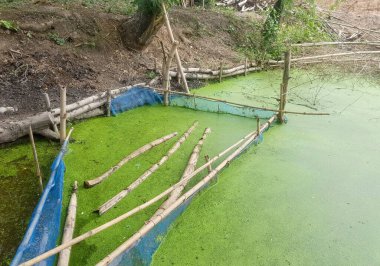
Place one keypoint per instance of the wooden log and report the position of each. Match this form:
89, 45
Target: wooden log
139, 208
68, 230
48, 133
12, 130
192, 163
112, 202
216, 74
35, 156
246, 67
178, 59
165, 73
141, 150
313, 44
220, 72
149, 225
62, 116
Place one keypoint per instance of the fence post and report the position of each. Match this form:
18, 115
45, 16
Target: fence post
63, 115
284, 86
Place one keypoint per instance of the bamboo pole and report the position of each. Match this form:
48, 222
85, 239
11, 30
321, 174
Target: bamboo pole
327, 56
165, 74
68, 230
113, 201
141, 150
284, 86
312, 44
149, 225
178, 59
38, 170
209, 168
246, 67
78, 239
192, 163
62, 126
243, 105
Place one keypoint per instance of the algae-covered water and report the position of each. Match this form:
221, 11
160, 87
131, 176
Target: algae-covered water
19, 190
308, 196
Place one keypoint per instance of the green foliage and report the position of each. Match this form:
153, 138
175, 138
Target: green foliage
151, 74
9, 25
55, 38
153, 6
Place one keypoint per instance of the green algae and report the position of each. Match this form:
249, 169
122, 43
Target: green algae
100, 143
19, 190
307, 196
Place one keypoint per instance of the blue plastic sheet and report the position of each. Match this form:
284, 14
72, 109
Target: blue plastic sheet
44, 226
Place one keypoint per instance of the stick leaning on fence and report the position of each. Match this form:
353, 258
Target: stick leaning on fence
248, 138
143, 149
112, 202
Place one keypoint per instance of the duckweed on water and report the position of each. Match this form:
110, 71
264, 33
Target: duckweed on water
19, 190
100, 143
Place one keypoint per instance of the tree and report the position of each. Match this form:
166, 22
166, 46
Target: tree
272, 23
137, 32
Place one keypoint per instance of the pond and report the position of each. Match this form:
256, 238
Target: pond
307, 195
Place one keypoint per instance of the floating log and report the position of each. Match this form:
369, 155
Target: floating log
68, 230
143, 149
188, 170
112, 202
12, 130
149, 225
139, 208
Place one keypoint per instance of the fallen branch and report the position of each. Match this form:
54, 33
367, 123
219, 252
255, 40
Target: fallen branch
188, 170
149, 225
143, 149
68, 230
141, 207
112, 202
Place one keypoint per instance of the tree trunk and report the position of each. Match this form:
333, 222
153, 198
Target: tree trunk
137, 32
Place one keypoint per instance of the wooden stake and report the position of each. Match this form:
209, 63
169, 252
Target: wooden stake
68, 230
284, 86
179, 64
247, 139
143, 149
113, 201
209, 168
258, 125
63, 116
165, 74
246, 67
38, 170
220, 72
192, 163
109, 98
